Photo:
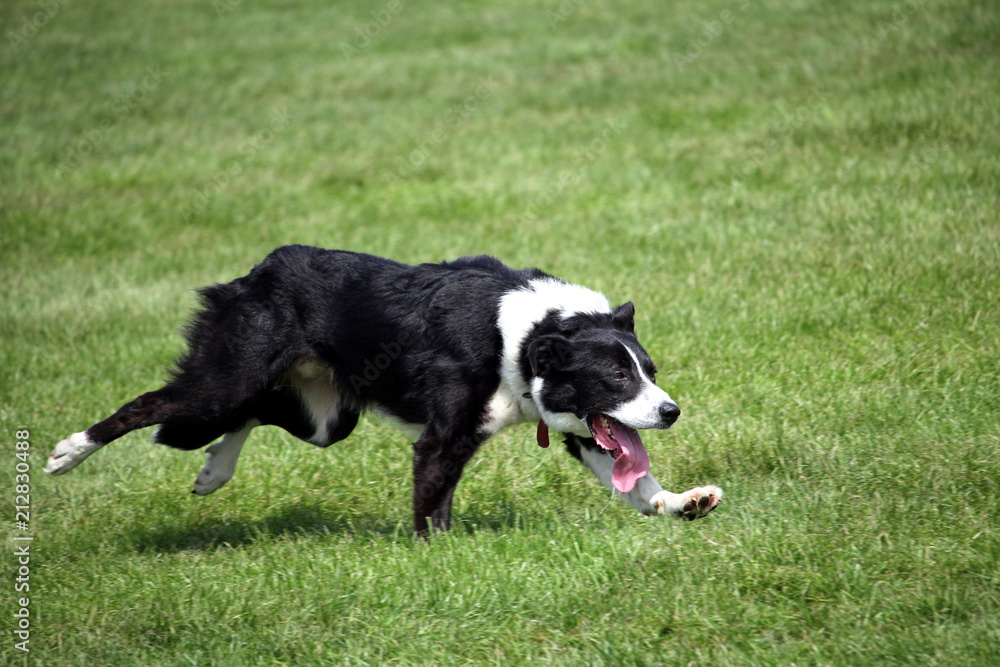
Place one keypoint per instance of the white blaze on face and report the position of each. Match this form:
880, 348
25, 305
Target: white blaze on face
643, 411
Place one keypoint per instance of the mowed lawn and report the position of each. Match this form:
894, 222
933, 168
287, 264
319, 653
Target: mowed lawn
801, 198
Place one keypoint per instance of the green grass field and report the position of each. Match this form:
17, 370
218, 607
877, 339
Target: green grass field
800, 197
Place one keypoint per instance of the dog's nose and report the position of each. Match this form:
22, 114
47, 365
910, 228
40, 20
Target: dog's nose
669, 412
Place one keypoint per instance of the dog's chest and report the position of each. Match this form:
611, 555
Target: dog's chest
507, 407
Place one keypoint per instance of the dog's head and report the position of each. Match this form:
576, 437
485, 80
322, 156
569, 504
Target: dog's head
592, 378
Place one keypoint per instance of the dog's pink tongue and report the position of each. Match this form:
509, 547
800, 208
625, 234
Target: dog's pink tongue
633, 463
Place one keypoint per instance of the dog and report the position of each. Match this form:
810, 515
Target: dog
451, 353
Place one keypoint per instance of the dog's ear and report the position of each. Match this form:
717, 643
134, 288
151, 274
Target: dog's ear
623, 317
549, 353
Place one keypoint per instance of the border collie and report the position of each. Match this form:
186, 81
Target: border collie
450, 352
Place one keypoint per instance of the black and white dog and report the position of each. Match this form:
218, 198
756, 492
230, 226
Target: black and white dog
451, 352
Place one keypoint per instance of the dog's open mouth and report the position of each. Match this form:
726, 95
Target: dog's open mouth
624, 443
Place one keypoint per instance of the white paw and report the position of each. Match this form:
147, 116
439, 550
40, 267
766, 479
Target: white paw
690, 505
69, 453
218, 470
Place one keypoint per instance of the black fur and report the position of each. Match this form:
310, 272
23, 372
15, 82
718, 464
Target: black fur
419, 342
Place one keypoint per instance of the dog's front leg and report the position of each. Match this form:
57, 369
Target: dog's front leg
647, 495
438, 462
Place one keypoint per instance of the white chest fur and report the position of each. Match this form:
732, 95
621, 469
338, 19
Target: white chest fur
519, 312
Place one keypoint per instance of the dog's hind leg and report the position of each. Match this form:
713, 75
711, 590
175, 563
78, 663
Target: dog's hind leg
70, 452
221, 462
152, 408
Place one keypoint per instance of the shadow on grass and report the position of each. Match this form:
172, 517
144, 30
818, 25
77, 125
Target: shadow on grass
176, 534
209, 533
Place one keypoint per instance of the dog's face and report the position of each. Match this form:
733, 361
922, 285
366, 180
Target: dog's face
597, 377
594, 380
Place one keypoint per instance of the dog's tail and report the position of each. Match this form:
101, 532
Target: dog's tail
238, 348
239, 344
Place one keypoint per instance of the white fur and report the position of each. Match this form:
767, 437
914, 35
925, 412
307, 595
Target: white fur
318, 390
687, 505
221, 462
412, 431
70, 453
521, 310
643, 411
648, 496
561, 422
640, 497
315, 384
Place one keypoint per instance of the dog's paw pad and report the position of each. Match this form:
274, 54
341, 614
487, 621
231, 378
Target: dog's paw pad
690, 505
699, 502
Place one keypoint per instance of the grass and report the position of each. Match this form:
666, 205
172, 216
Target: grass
801, 198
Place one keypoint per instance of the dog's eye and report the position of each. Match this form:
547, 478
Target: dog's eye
619, 375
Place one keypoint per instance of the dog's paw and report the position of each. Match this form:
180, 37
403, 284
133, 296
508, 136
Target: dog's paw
218, 470
690, 505
70, 453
